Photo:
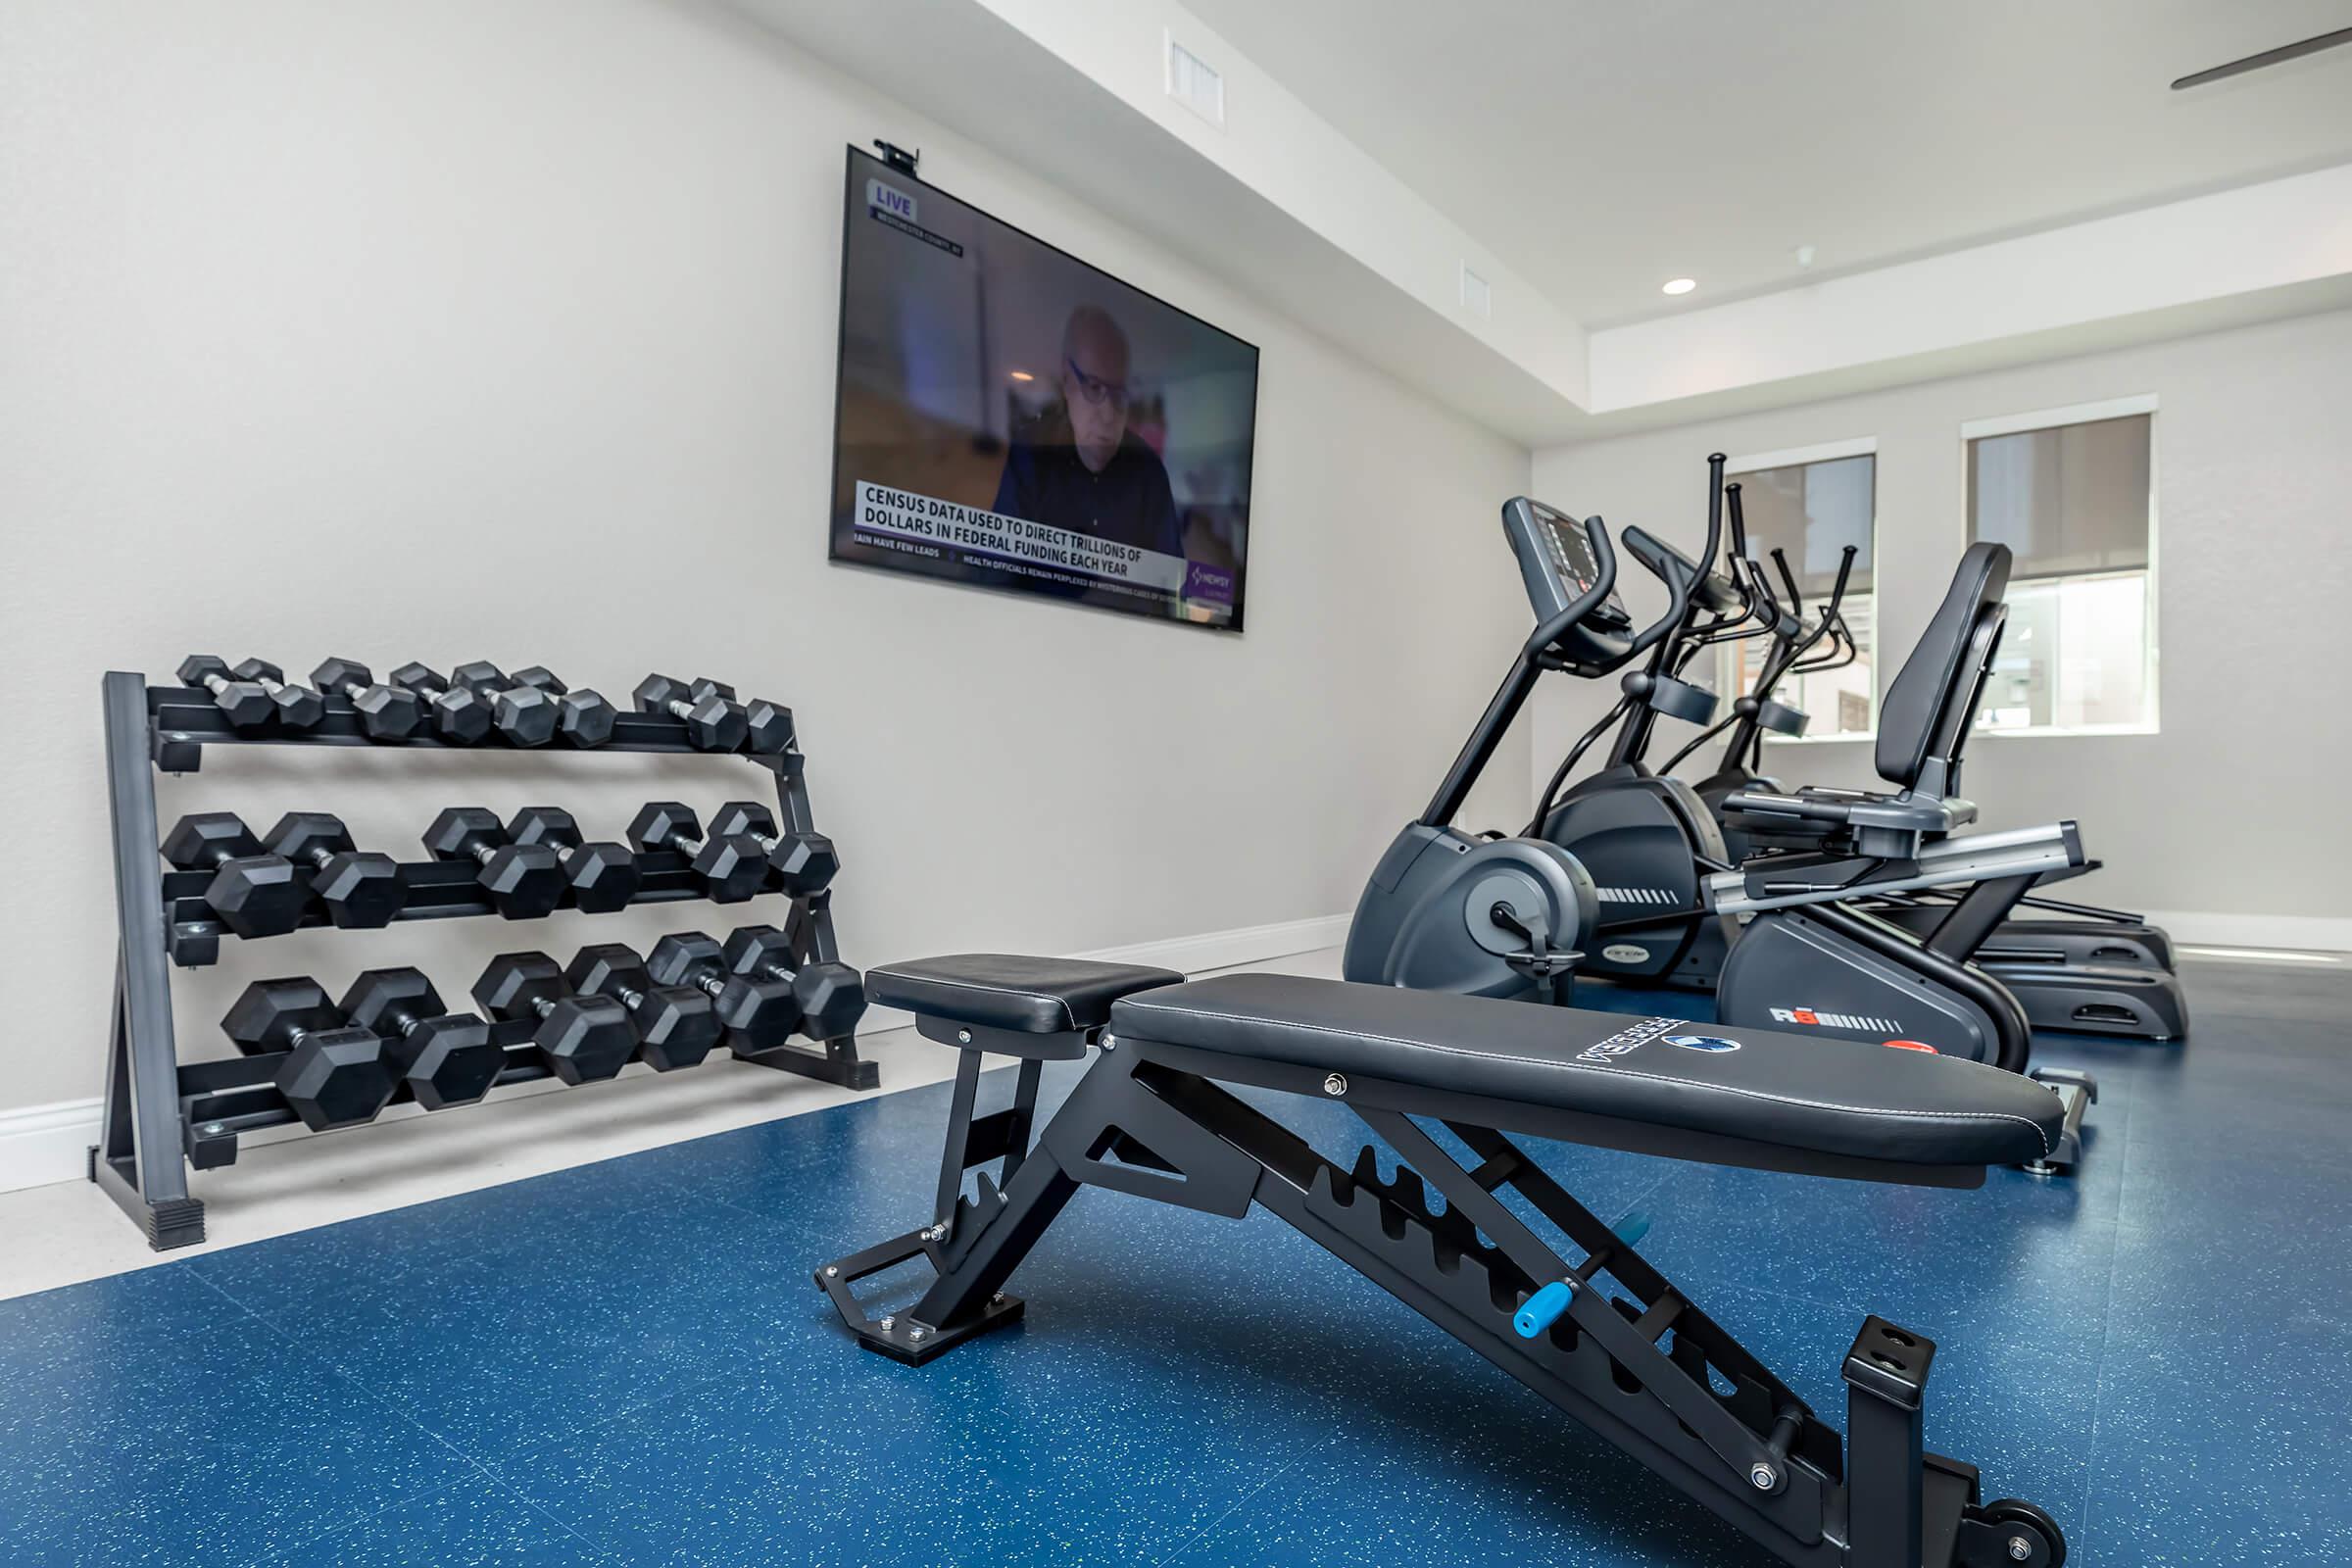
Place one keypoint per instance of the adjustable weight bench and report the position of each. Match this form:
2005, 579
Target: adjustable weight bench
1151, 1115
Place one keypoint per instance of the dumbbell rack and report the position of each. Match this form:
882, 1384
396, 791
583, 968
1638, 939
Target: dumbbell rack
162, 1116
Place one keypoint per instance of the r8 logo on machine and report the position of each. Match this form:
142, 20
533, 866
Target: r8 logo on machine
1837, 1020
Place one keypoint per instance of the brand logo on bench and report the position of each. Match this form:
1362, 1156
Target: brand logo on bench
1837, 1020
1703, 1042
1624, 1040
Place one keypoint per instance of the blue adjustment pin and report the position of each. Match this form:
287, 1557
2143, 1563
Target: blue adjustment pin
1545, 1309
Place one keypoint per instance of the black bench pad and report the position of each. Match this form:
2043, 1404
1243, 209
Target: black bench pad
1830, 1096
1004, 991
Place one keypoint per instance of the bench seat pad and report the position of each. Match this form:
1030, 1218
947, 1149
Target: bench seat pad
1006, 991
1807, 1092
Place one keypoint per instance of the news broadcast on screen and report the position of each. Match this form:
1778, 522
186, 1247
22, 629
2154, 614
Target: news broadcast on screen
1009, 416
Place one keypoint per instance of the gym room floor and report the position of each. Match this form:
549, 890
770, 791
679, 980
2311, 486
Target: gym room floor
625, 1362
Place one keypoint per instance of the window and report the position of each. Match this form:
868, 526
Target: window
1811, 504
2071, 493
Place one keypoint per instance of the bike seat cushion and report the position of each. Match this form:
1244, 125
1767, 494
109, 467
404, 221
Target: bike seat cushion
1826, 1094
1002, 991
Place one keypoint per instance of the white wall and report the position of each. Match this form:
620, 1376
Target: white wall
2230, 811
445, 330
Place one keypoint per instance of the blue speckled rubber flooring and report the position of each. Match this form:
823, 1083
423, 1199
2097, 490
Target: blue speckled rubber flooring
627, 1364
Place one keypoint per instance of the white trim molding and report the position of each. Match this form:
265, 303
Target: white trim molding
2297, 933
2053, 419
1861, 446
45, 1144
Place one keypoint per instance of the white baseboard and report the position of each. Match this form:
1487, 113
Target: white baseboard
2299, 933
45, 1144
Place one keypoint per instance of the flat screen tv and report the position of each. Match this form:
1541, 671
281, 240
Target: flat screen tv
1009, 416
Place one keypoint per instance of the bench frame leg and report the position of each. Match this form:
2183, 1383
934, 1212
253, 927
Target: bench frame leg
1632, 1358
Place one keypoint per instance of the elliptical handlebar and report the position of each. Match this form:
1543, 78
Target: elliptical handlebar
1678, 593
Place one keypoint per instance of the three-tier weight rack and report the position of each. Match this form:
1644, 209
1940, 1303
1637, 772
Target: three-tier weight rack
163, 1116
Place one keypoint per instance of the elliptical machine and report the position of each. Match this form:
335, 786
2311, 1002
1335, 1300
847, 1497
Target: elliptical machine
1645, 838
1446, 911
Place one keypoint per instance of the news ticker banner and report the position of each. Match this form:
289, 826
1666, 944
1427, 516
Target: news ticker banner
998, 543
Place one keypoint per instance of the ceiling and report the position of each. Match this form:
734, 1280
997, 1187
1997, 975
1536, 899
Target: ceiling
1600, 148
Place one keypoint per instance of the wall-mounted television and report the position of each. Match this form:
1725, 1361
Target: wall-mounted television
1008, 416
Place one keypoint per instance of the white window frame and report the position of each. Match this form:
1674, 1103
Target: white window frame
2121, 408
1861, 446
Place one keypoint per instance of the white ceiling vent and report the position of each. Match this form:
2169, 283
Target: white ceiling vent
1477, 298
1195, 83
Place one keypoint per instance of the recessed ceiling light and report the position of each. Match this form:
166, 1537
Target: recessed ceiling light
1679, 285
1024, 375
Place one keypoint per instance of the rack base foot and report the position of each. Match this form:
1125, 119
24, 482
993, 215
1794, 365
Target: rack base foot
167, 1223
836, 1062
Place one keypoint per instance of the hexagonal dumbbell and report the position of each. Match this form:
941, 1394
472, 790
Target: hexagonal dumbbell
676, 1025
732, 869
247, 706
583, 717
761, 1011
446, 1058
298, 706
256, 894
361, 889
603, 876
830, 996
525, 880
458, 714
524, 714
712, 723
768, 727
335, 1074
386, 712
804, 862
584, 1038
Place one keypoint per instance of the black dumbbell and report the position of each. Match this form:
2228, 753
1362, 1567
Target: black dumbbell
386, 712
524, 714
712, 723
768, 727
603, 876
583, 717
458, 713
830, 996
584, 1038
525, 881
247, 706
804, 862
676, 1025
446, 1058
298, 706
759, 1010
361, 889
732, 869
335, 1073
256, 894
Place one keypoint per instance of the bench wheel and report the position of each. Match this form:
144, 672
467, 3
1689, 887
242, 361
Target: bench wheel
2011, 1521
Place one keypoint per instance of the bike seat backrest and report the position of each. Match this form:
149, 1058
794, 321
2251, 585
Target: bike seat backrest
1932, 700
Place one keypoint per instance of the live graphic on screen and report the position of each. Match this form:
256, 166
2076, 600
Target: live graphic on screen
1011, 417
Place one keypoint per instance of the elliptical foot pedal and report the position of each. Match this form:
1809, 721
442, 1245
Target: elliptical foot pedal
2079, 1091
895, 1333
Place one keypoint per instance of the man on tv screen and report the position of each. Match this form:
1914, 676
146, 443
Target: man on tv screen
1080, 467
